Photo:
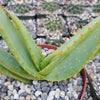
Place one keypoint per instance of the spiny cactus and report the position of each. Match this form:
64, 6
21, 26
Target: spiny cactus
96, 8
53, 23
50, 6
28, 63
21, 8
75, 9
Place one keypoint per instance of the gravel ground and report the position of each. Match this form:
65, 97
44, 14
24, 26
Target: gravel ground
93, 69
31, 26
11, 89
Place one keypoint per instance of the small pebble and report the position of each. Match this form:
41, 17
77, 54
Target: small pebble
38, 93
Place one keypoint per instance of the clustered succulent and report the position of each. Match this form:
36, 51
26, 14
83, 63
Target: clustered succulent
21, 8
53, 23
28, 62
50, 6
96, 8
75, 9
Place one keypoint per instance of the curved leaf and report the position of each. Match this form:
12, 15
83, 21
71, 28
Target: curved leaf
10, 63
34, 51
6, 72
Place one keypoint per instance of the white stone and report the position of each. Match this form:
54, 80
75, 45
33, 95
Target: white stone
33, 97
21, 91
16, 96
62, 94
6, 98
28, 90
35, 82
22, 86
18, 84
52, 93
37, 93
70, 89
21, 98
1, 81
39, 99
50, 98
75, 94
9, 92
10, 87
14, 92
57, 93
66, 98
7, 83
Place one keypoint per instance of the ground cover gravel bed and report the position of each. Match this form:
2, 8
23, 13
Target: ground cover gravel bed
93, 69
11, 89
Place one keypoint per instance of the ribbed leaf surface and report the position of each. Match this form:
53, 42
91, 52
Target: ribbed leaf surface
34, 51
10, 63
6, 72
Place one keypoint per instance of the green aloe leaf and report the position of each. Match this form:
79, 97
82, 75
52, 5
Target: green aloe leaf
47, 60
34, 51
17, 44
11, 64
6, 72
97, 52
75, 55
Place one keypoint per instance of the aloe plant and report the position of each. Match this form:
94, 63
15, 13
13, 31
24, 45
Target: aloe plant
28, 63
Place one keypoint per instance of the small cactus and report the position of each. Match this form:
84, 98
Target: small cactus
53, 23
75, 9
96, 8
50, 6
21, 8
28, 63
